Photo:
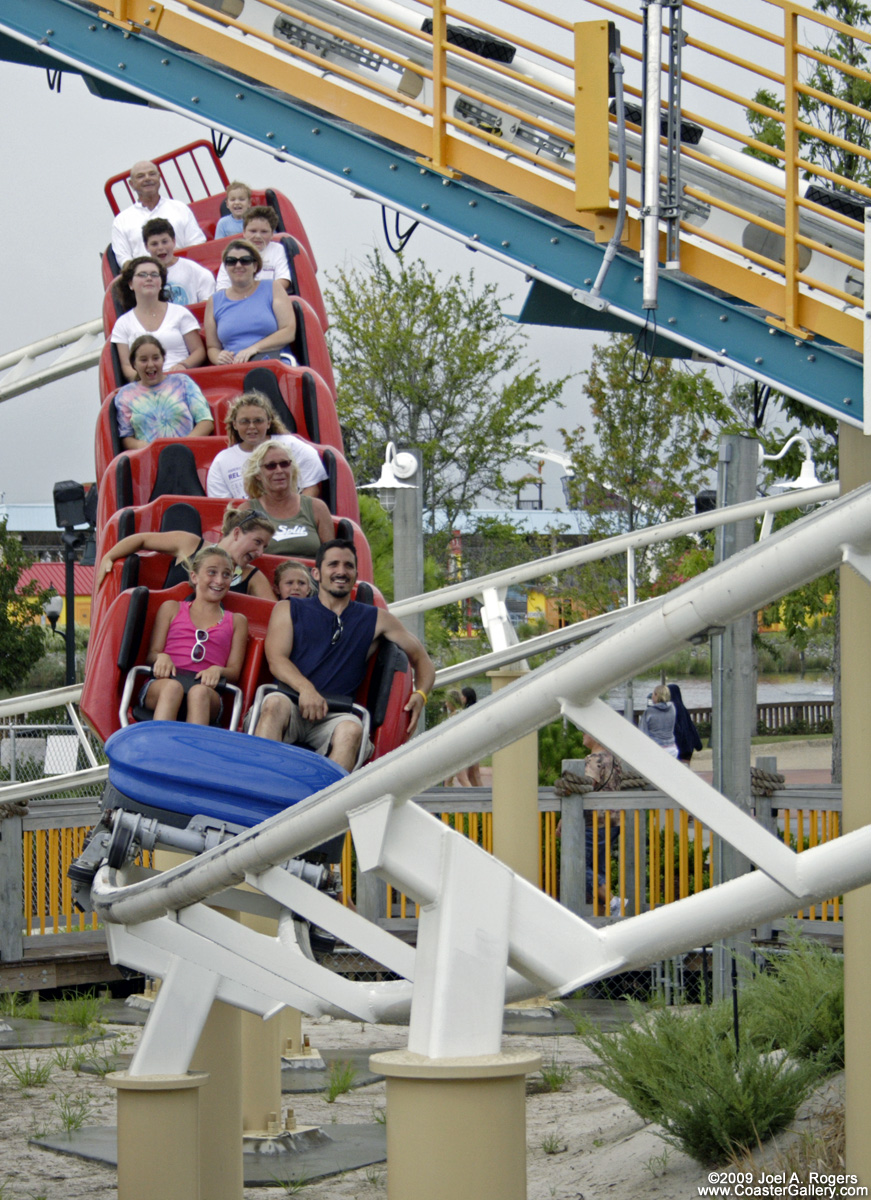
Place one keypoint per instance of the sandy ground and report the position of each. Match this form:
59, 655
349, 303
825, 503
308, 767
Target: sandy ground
603, 1148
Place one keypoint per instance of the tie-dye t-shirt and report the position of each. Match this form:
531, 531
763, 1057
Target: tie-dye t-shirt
171, 409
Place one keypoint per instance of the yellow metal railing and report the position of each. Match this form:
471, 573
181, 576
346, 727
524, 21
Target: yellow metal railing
671, 853
720, 86
48, 903
47, 895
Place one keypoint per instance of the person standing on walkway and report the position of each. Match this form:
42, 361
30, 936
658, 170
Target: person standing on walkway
686, 736
657, 720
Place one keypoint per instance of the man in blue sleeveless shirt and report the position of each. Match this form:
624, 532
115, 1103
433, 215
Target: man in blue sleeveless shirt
320, 646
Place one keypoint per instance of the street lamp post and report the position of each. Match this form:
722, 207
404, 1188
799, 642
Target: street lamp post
69, 511
400, 493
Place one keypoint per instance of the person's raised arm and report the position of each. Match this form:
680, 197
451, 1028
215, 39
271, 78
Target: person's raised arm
278, 646
175, 542
391, 628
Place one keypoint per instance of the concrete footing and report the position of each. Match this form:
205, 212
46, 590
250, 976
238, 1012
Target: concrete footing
158, 1135
456, 1127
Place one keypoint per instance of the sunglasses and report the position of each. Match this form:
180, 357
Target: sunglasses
340, 629
250, 516
273, 466
198, 652
244, 259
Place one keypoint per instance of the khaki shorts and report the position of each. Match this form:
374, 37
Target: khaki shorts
316, 735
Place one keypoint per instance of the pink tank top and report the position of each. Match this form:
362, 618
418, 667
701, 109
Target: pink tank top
181, 638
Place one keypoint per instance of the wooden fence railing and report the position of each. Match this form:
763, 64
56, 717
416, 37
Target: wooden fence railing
800, 716
651, 853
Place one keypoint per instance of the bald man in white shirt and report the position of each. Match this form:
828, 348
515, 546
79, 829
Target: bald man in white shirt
127, 240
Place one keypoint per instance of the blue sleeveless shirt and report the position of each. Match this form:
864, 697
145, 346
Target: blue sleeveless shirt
334, 667
240, 323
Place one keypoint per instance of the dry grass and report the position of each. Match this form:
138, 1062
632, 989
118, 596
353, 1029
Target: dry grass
820, 1149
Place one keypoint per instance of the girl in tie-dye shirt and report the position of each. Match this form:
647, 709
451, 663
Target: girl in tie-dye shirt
159, 405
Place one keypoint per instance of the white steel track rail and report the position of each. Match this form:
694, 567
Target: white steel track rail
481, 924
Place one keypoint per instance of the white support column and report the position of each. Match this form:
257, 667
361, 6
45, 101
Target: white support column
495, 619
462, 944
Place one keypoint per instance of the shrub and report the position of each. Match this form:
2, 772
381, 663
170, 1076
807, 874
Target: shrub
682, 1071
556, 741
797, 1004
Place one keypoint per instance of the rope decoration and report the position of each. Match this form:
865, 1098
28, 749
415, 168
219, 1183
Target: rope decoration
762, 783
13, 808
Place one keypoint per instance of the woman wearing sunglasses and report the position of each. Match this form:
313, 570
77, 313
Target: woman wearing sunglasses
196, 646
271, 481
250, 421
245, 535
248, 320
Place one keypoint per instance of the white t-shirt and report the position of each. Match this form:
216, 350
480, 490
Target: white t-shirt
176, 323
274, 266
127, 240
225, 473
189, 282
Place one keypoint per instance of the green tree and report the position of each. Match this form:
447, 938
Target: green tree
430, 362
21, 638
830, 119
653, 446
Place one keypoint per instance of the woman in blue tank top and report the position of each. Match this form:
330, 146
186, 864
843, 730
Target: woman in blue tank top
249, 320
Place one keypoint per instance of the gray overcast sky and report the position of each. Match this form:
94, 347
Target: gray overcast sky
58, 151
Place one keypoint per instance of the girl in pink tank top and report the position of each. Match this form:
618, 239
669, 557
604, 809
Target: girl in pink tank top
195, 645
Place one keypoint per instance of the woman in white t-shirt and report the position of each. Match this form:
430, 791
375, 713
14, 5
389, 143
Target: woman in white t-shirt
251, 420
140, 291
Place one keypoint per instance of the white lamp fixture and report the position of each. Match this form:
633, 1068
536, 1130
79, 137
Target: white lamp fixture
394, 469
807, 476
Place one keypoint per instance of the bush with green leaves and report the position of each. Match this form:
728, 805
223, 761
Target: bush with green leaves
680, 1069
797, 1004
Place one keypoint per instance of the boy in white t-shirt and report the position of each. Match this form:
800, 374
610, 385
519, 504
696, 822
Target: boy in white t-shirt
261, 222
187, 281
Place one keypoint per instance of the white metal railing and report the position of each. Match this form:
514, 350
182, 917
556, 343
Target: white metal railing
496, 584
65, 697
80, 348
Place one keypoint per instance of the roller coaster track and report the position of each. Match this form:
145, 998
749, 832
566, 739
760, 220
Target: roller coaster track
770, 276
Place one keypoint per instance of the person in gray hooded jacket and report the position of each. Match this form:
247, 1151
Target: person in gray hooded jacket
657, 720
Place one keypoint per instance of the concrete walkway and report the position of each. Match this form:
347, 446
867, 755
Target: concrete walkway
801, 761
